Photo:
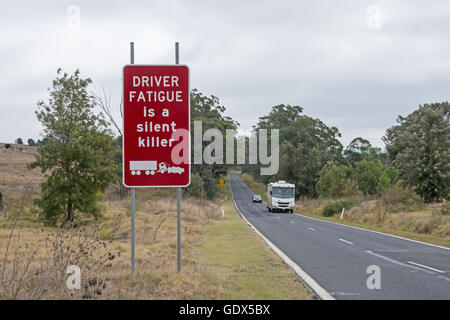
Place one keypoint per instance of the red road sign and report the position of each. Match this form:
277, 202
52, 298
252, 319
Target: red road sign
156, 139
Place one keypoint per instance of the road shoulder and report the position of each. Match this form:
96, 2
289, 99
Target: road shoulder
237, 260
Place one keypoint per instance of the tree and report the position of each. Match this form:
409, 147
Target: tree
361, 149
19, 141
306, 145
103, 100
384, 183
195, 188
335, 181
77, 158
419, 148
210, 112
357, 150
31, 142
280, 116
42, 142
210, 184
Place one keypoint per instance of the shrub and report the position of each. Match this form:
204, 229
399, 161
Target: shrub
428, 225
211, 185
334, 182
444, 209
336, 206
384, 183
196, 187
398, 199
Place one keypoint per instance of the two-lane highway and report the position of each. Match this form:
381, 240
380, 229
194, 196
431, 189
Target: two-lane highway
337, 257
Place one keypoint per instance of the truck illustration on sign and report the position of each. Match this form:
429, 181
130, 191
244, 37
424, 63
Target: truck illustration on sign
151, 167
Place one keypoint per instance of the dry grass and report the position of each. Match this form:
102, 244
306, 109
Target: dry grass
34, 258
31, 248
15, 178
155, 276
427, 221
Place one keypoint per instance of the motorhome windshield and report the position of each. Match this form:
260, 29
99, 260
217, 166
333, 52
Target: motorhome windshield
280, 192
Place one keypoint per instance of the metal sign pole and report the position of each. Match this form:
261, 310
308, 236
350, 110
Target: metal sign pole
177, 61
133, 190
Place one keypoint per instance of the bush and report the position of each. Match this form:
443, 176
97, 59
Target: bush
384, 183
444, 209
211, 185
336, 206
334, 182
398, 199
196, 187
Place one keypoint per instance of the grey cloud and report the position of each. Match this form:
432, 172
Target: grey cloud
251, 54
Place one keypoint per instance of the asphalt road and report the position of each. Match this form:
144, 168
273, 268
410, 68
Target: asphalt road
337, 257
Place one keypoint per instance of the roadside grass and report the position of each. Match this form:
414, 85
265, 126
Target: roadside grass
155, 276
423, 225
241, 263
405, 234
221, 257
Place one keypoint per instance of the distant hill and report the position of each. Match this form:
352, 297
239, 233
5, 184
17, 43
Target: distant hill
15, 178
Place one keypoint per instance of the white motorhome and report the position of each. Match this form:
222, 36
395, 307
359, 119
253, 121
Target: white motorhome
280, 196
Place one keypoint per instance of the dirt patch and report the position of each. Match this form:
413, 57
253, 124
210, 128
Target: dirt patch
15, 178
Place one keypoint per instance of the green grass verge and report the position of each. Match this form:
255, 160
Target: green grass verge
241, 263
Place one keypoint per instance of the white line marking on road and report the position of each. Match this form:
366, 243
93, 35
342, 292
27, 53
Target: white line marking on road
278, 217
345, 294
393, 250
343, 240
398, 262
373, 231
291, 221
311, 229
426, 267
321, 292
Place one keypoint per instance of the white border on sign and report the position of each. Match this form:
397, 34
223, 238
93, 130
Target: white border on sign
123, 123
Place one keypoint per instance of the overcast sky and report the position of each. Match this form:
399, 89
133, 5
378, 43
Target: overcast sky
354, 64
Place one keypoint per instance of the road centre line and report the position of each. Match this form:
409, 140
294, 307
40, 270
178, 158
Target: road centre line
426, 267
343, 240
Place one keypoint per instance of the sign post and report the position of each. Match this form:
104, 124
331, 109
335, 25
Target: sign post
156, 131
177, 61
133, 191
